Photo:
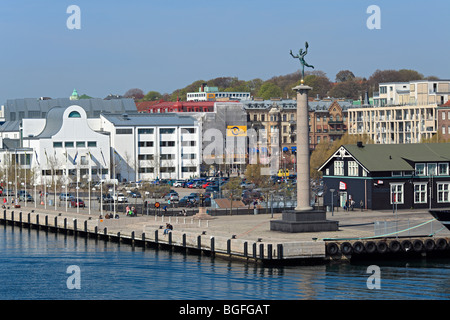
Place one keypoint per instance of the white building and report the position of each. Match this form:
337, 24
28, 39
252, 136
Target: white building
206, 93
153, 146
66, 147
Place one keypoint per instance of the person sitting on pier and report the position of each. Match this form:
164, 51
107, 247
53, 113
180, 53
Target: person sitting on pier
168, 229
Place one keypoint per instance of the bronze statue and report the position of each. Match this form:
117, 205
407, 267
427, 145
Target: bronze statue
301, 57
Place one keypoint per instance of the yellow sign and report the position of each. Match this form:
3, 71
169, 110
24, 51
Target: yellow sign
237, 131
210, 96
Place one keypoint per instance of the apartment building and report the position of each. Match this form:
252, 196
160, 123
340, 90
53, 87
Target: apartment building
418, 92
394, 124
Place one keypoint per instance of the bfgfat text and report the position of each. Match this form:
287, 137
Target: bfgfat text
235, 309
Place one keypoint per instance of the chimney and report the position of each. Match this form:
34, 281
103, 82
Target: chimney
359, 144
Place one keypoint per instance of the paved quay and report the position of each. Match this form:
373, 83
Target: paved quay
248, 232
352, 224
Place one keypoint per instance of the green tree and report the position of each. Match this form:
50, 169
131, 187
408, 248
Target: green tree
344, 75
320, 85
152, 96
269, 90
233, 189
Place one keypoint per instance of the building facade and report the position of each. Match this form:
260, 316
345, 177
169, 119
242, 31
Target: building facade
394, 124
206, 93
418, 92
380, 176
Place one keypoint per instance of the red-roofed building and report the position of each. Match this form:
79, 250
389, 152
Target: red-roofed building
176, 106
144, 106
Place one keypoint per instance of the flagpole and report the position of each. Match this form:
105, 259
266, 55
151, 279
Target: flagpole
67, 178
26, 194
114, 181
90, 176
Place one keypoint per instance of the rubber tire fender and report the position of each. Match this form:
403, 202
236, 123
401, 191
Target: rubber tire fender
370, 247
429, 244
406, 245
382, 247
332, 248
358, 247
441, 244
346, 248
395, 246
418, 245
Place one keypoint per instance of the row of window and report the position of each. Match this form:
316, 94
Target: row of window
73, 172
421, 169
72, 144
151, 131
431, 169
352, 166
166, 169
190, 156
420, 192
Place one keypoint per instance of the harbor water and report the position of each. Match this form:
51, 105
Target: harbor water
36, 265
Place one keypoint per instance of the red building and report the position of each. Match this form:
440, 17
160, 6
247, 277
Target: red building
175, 106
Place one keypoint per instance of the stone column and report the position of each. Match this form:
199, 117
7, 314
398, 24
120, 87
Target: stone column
303, 184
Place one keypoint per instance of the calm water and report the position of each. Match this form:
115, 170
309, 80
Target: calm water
34, 266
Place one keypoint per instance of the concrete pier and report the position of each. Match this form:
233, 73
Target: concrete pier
246, 237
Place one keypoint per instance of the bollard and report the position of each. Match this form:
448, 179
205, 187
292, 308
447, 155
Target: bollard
12, 218
228, 246
254, 250
29, 218
199, 242
75, 225
37, 220
56, 222
261, 251
184, 240
212, 244
246, 249
20, 217
85, 226
156, 236
46, 221
269, 251
65, 223
280, 251
170, 238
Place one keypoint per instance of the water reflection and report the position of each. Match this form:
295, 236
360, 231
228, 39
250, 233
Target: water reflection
37, 262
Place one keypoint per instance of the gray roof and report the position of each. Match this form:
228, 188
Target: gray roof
53, 123
10, 126
150, 119
36, 108
397, 157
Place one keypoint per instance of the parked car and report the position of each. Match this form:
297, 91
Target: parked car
106, 198
65, 196
135, 194
120, 197
77, 203
171, 196
178, 183
25, 196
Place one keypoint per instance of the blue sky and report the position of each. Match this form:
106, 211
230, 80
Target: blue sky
164, 45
